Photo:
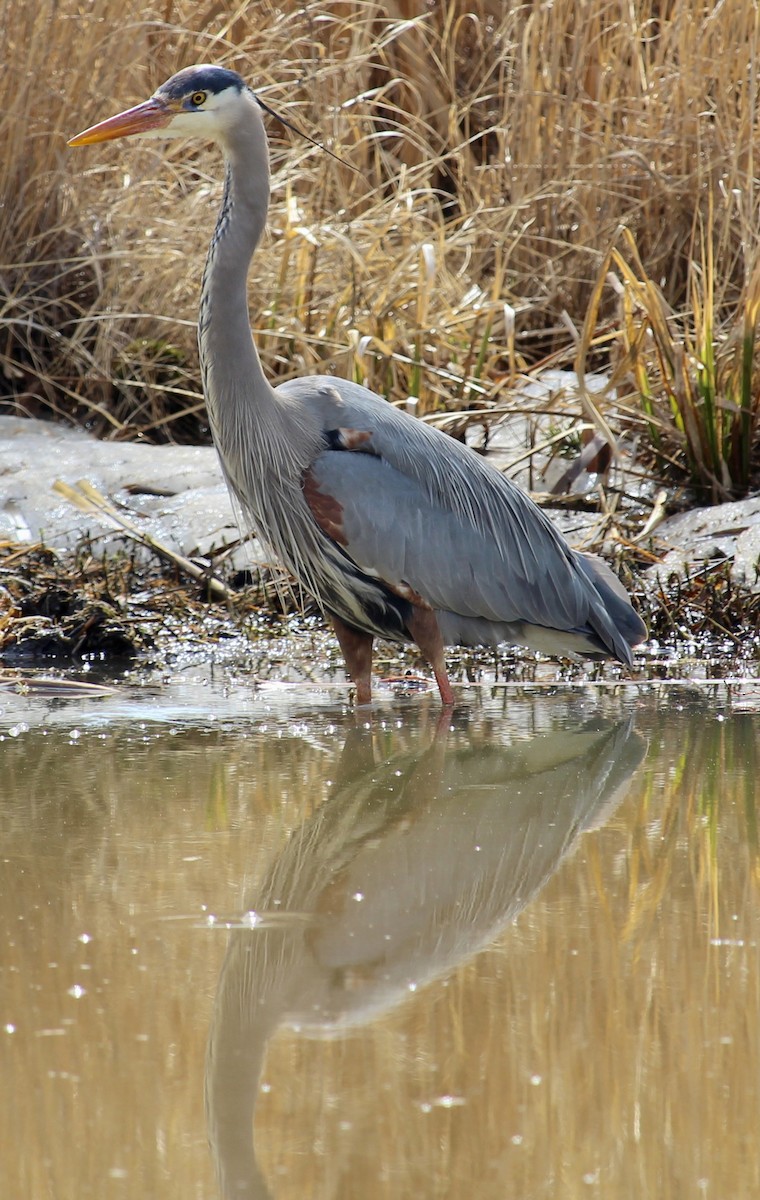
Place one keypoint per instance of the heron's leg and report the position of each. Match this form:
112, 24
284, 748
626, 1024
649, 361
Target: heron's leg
356, 648
423, 626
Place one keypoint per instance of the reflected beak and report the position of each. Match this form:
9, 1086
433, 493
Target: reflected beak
144, 118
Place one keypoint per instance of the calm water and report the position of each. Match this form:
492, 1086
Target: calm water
511, 954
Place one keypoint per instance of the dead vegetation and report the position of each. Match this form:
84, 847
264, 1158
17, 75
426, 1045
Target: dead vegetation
705, 604
97, 605
501, 152
65, 608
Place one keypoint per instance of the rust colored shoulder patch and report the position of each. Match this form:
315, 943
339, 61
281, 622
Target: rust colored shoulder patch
353, 439
326, 510
349, 439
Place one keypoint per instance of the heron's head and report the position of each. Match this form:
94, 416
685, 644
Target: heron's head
196, 102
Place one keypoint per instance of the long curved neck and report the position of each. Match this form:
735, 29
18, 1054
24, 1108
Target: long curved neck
264, 441
230, 365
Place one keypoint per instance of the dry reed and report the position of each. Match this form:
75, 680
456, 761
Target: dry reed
501, 149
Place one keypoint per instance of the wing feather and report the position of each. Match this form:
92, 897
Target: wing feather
420, 510
392, 528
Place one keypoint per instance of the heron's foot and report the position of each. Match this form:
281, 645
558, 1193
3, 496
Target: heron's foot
362, 692
425, 630
448, 698
356, 648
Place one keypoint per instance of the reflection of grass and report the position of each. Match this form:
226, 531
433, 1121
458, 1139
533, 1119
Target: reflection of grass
692, 788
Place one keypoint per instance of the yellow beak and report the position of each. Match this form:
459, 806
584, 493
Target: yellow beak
152, 114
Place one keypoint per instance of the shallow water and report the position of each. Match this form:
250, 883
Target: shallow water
509, 953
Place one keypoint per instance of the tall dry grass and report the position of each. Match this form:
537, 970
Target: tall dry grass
500, 150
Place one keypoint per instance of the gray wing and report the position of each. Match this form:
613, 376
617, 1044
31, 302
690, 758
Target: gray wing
424, 513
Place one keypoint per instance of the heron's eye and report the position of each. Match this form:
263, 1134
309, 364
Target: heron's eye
197, 99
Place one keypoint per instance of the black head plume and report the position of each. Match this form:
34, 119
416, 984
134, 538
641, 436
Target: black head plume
289, 125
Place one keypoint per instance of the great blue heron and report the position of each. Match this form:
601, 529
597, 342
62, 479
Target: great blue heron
396, 529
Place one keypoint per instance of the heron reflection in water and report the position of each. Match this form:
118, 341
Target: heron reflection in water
445, 843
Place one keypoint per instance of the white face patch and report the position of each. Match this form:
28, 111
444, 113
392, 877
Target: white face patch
209, 120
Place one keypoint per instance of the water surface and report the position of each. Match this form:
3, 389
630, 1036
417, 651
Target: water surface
513, 952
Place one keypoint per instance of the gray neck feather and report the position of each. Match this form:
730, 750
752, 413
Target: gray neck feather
230, 365
264, 441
